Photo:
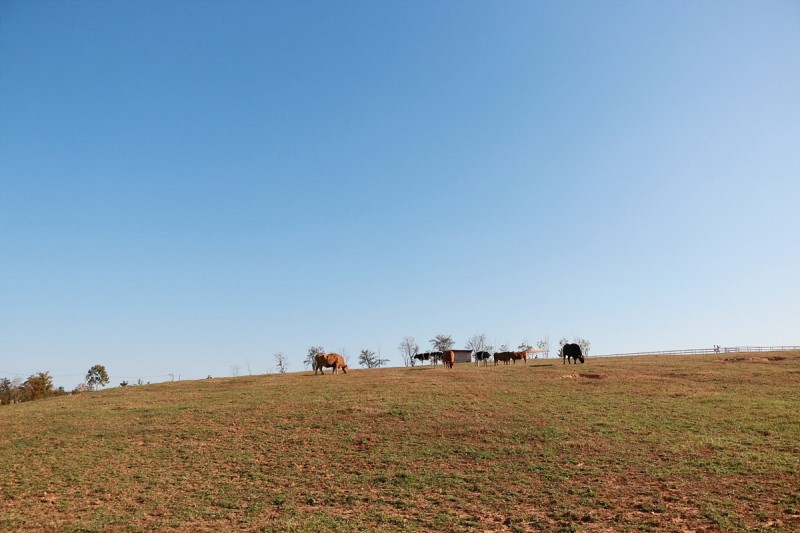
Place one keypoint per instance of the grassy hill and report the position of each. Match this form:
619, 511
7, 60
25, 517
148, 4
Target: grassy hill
646, 443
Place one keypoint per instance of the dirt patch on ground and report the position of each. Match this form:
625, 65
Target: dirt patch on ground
752, 359
587, 376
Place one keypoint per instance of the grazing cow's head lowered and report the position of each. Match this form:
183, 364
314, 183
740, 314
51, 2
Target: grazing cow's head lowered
572, 352
329, 360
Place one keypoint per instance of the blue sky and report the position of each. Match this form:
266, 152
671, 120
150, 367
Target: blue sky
186, 186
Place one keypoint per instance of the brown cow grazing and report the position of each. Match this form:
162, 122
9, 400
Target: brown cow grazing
449, 359
505, 357
516, 356
328, 360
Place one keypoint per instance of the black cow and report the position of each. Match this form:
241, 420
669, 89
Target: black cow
571, 352
482, 356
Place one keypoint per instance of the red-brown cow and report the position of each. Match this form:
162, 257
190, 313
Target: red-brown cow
505, 357
449, 359
516, 356
329, 360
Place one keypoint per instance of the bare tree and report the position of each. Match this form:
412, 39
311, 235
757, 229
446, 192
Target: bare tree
310, 359
561, 342
234, 371
584, 344
408, 347
477, 343
281, 362
544, 346
442, 343
369, 359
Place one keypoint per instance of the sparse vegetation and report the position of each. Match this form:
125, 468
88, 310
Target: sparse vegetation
311, 354
624, 444
369, 359
585, 345
544, 346
442, 343
408, 347
281, 362
477, 343
36, 387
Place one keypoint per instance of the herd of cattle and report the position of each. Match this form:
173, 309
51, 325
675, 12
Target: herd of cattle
569, 353
480, 357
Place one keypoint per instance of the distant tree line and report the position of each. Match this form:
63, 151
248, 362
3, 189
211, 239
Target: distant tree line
36, 387
40, 385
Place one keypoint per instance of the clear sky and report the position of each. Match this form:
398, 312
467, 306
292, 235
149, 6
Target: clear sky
186, 186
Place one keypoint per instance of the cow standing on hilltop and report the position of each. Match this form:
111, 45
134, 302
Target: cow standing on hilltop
505, 357
516, 356
482, 356
329, 360
449, 358
571, 352
427, 356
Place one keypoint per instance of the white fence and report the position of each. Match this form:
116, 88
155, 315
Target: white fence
699, 351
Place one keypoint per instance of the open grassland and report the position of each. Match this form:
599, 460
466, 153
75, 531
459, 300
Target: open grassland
669, 443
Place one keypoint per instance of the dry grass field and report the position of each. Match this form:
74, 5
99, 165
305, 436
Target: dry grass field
697, 443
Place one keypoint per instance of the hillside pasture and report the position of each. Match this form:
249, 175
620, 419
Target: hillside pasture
693, 443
